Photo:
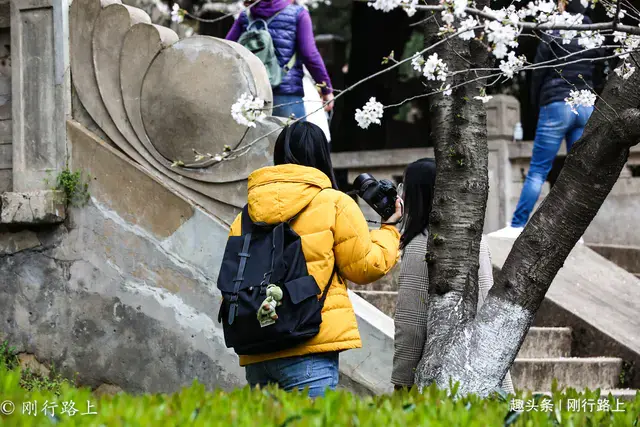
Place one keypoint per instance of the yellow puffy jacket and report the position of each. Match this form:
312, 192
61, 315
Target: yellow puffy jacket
333, 230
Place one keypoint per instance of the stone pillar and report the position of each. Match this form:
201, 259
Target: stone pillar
6, 150
503, 112
40, 90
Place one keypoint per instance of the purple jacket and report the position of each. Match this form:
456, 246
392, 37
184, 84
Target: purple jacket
294, 20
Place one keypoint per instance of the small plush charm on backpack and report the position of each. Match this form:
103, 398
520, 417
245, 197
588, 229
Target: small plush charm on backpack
267, 313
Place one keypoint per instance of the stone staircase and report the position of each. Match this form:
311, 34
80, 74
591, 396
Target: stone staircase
544, 356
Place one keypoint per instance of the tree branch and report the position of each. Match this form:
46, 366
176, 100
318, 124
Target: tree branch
629, 29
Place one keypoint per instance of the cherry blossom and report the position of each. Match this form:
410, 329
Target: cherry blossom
501, 36
625, 70
468, 24
371, 113
512, 65
578, 98
177, 14
435, 68
247, 110
591, 39
483, 98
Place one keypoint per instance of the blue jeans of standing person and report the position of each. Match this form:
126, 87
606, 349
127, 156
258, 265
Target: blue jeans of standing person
556, 122
317, 371
285, 105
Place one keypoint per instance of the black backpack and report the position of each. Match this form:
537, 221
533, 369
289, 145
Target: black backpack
262, 255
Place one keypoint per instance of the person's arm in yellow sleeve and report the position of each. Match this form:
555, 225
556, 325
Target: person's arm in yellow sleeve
236, 227
363, 256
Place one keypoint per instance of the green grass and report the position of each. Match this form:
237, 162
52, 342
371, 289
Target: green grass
195, 406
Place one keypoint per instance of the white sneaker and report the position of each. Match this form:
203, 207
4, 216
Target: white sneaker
508, 232
581, 241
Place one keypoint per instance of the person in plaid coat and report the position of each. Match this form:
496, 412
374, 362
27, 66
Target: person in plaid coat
413, 283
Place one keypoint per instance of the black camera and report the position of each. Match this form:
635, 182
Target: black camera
380, 195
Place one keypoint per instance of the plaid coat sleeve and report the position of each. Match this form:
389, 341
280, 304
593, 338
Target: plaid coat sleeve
411, 312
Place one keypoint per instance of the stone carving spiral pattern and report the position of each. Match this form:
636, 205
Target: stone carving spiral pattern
158, 99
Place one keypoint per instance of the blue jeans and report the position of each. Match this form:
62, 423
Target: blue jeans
317, 371
289, 104
556, 122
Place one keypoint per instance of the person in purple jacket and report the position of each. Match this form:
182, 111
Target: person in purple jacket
292, 33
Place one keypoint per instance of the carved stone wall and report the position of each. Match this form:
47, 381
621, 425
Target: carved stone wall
160, 100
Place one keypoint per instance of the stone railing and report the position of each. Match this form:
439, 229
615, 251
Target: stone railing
508, 166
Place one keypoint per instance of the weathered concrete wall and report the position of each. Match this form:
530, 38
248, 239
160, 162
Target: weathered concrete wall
123, 293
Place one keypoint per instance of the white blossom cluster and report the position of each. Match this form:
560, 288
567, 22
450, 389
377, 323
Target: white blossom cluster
578, 98
371, 113
483, 96
433, 68
503, 32
453, 9
388, 5
313, 4
611, 11
468, 24
625, 70
590, 39
247, 110
177, 14
628, 43
512, 65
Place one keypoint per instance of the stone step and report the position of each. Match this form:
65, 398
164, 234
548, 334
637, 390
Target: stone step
385, 301
627, 257
546, 342
579, 373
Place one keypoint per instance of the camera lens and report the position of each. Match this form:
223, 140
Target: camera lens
363, 181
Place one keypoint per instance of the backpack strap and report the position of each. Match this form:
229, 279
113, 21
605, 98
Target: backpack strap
246, 221
325, 292
244, 254
289, 65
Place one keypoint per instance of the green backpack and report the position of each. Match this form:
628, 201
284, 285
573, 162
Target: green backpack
259, 42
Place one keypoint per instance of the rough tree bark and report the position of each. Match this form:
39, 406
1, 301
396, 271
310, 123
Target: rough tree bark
477, 352
459, 134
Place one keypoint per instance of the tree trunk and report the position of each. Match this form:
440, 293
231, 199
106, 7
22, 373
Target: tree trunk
483, 349
459, 135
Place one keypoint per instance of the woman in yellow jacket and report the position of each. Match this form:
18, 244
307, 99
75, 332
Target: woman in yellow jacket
333, 230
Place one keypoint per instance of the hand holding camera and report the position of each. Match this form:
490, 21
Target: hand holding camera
381, 195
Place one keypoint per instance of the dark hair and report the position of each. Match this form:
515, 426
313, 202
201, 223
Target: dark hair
305, 144
419, 181
575, 6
